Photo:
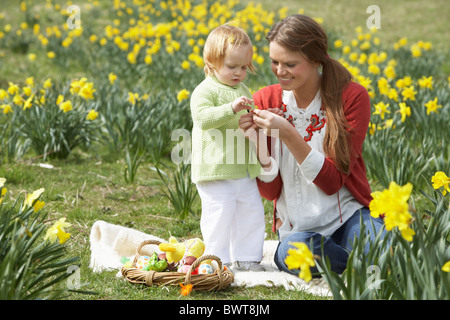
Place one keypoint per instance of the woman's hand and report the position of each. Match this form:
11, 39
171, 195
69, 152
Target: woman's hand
272, 123
249, 127
277, 111
278, 223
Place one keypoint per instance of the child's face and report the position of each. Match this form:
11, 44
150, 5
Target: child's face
235, 64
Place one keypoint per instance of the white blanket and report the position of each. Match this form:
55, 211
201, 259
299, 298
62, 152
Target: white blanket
110, 243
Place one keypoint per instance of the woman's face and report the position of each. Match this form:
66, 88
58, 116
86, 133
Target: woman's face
293, 70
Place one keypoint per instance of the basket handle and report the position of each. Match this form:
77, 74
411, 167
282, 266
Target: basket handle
143, 244
197, 262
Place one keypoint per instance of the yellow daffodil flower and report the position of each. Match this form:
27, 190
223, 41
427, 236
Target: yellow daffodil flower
48, 83
432, 106
439, 180
409, 93
133, 97
425, 82
38, 205
301, 258
112, 78
404, 110
6, 108
27, 104
3, 94
92, 115
66, 106
13, 88
381, 109
393, 204
87, 91
30, 198
182, 95
59, 100
57, 231
446, 267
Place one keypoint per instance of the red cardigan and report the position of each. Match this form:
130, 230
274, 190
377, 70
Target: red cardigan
357, 111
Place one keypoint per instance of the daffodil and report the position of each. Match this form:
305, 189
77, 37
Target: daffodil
27, 104
32, 56
112, 78
29, 81
393, 204
446, 267
6, 108
148, 59
381, 109
59, 100
182, 95
27, 90
3, 190
48, 83
131, 57
133, 97
57, 231
416, 51
31, 198
389, 72
409, 93
92, 115
301, 258
18, 100
439, 180
66, 106
432, 106
185, 65
338, 43
425, 82
13, 88
404, 110
38, 205
3, 94
404, 82
76, 85
87, 91
383, 86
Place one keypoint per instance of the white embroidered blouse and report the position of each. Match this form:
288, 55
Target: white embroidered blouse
302, 206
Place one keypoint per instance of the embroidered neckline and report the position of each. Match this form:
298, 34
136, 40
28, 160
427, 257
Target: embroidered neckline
316, 121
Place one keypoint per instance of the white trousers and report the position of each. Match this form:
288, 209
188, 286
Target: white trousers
232, 220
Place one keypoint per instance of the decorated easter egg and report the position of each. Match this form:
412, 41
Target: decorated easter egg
142, 262
205, 269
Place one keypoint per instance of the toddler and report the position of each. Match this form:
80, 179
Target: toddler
224, 163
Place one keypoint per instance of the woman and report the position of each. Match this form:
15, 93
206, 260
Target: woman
321, 189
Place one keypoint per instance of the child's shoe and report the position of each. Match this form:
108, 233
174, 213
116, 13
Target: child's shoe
247, 266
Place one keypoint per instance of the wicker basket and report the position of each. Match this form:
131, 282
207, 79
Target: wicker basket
218, 280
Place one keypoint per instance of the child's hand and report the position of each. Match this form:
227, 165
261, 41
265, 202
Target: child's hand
242, 103
277, 111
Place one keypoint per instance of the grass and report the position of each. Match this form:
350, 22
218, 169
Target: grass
88, 187
85, 190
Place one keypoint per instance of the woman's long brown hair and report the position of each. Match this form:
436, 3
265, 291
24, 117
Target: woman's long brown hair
302, 34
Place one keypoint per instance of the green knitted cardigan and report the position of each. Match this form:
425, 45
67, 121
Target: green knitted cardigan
219, 148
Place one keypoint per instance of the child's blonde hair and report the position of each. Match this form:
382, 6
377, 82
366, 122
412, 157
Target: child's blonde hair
219, 42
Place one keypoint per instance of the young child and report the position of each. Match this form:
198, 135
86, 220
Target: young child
224, 164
